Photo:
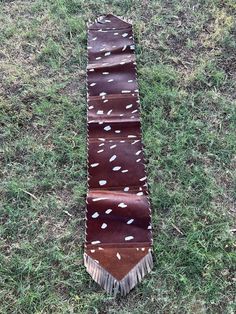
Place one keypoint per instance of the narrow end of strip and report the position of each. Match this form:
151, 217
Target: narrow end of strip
109, 21
111, 283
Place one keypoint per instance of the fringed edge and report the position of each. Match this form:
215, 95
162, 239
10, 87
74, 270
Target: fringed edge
90, 22
110, 283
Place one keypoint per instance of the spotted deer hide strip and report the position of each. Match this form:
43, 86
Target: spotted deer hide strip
118, 246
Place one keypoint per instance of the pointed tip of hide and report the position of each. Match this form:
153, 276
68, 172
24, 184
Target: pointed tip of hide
111, 284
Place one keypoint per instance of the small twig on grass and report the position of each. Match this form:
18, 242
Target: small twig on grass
176, 228
66, 212
32, 195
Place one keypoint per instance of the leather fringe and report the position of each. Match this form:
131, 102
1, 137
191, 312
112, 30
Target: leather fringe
110, 283
123, 18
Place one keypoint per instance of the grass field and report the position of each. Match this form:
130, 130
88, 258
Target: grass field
186, 59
